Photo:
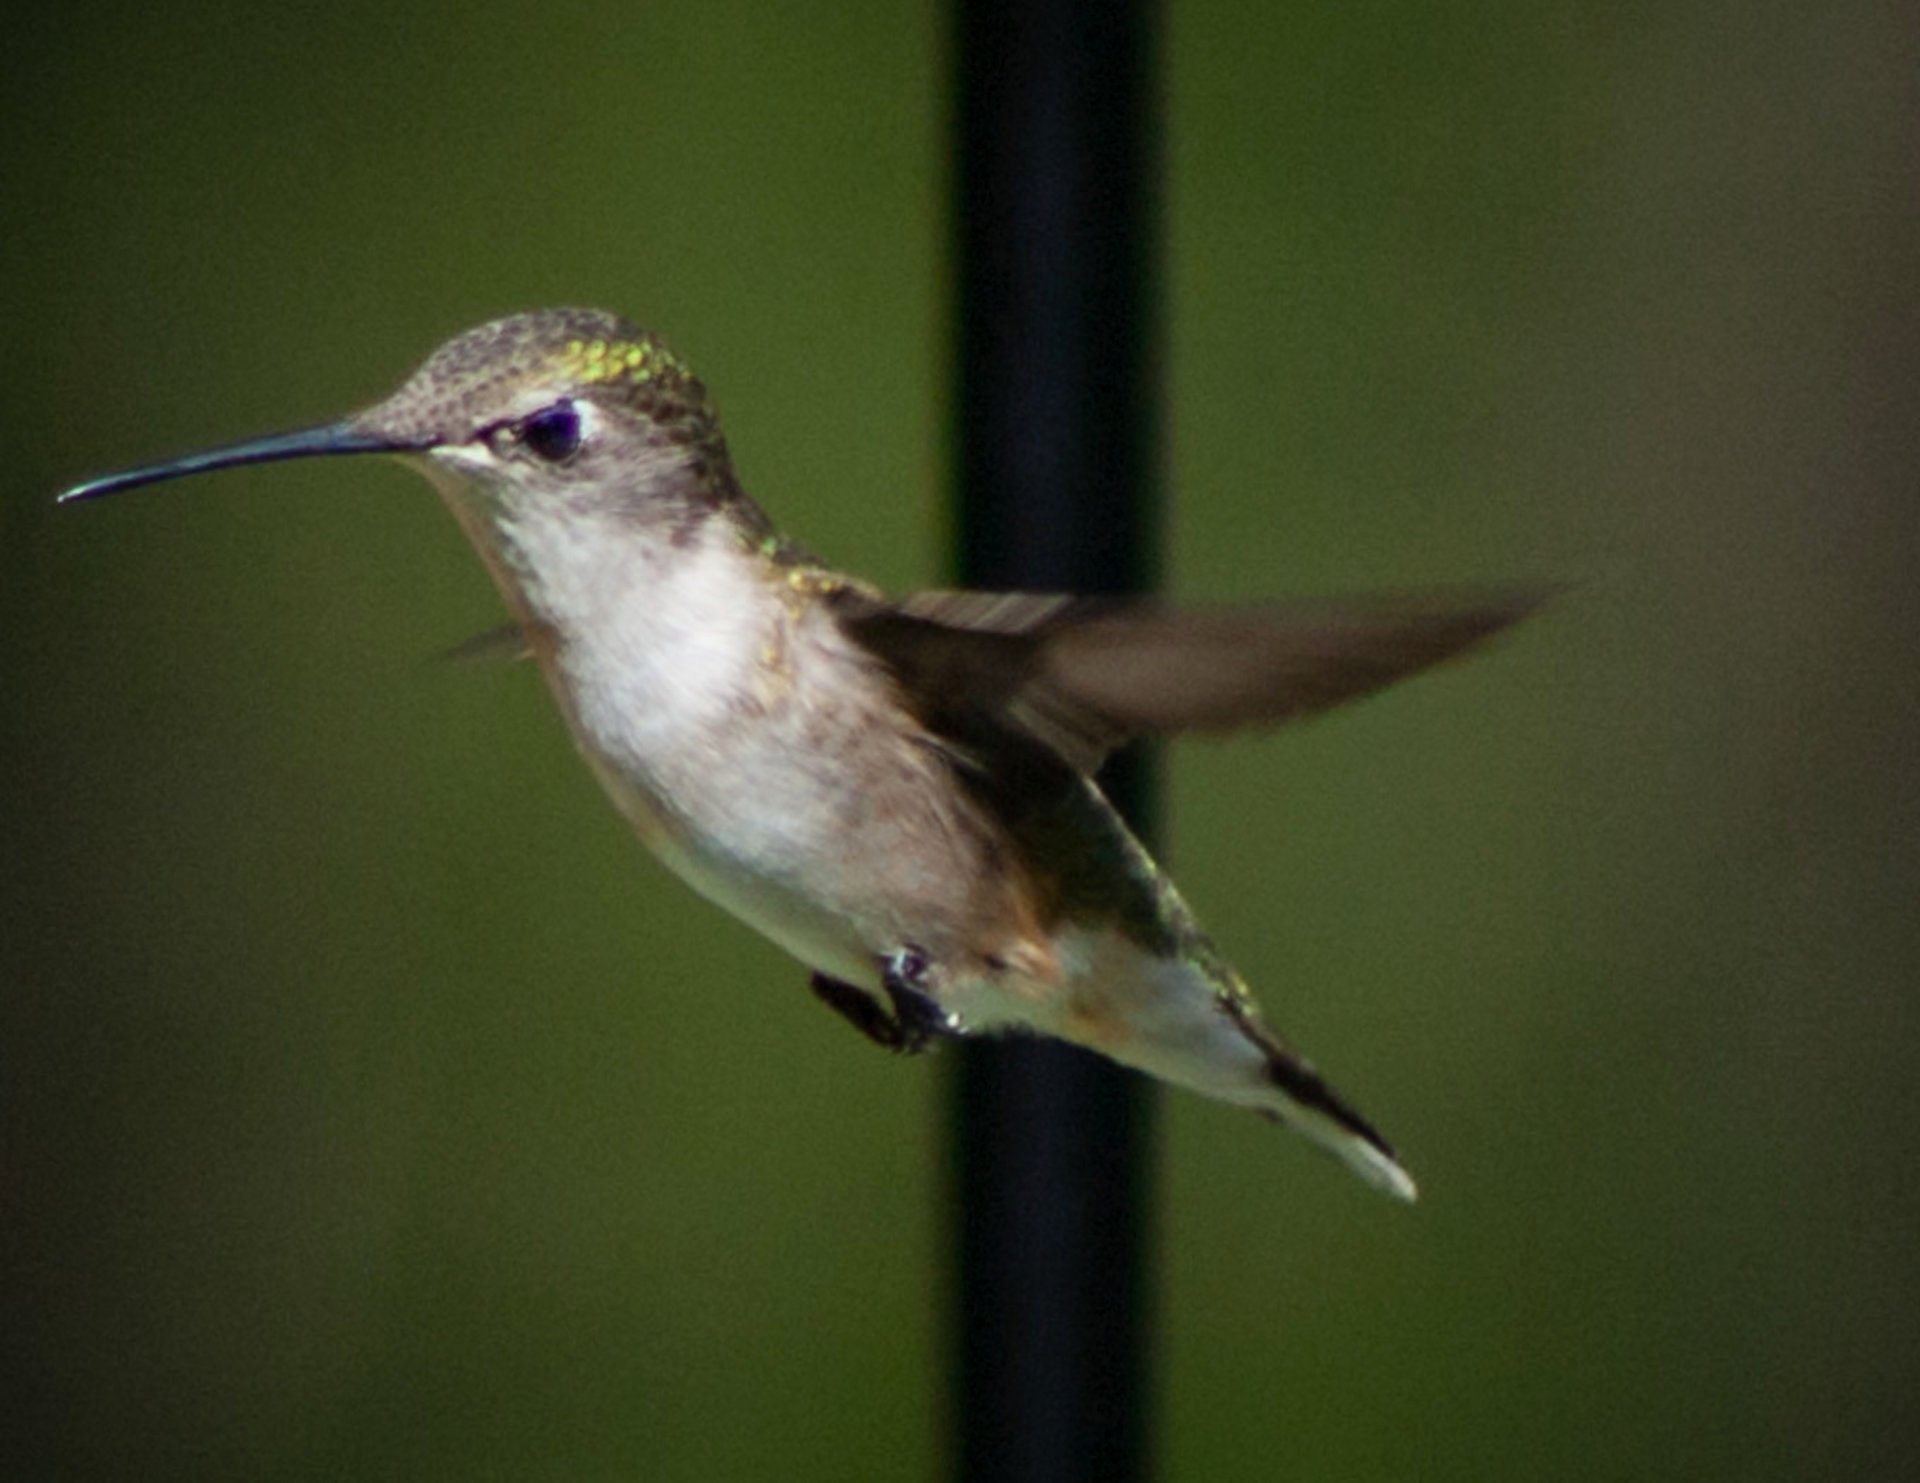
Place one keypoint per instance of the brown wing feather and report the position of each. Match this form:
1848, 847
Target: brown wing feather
1083, 675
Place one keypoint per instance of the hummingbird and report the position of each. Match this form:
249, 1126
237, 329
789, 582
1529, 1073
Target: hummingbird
897, 790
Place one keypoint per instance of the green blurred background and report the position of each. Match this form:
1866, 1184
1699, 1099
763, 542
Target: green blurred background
374, 1109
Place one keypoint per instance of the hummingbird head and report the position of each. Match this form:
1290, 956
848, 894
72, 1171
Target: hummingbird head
569, 409
559, 412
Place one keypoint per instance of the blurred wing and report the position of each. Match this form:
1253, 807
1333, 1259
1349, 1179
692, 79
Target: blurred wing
503, 645
1084, 675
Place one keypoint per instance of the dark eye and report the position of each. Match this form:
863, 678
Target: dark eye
553, 433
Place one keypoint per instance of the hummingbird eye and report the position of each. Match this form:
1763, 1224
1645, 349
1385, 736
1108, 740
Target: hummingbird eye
552, 434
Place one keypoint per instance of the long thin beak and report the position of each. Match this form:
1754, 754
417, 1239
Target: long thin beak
311, 442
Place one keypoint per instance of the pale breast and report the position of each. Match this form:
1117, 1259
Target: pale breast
767, 761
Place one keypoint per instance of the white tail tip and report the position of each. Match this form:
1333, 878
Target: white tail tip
1379, 1171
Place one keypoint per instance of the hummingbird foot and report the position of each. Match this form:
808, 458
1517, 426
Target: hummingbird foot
859, 1009
917, 1015
917, 1019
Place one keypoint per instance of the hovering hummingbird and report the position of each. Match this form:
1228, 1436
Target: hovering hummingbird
898, 791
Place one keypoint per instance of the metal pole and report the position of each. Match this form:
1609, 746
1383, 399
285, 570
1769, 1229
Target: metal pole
1056, 208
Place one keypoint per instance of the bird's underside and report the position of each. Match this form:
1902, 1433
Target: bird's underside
1049, 917
1033, 693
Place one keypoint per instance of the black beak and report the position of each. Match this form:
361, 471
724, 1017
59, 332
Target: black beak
312, 442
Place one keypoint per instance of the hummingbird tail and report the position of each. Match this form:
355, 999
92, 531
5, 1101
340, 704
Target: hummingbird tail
1312, 1108
1250, 1067
1194, 1024
1300, 1097
1246, 1063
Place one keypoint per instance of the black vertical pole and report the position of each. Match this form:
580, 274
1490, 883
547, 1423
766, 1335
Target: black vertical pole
1057, 205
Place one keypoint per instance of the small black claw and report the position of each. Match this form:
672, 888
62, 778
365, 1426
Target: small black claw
859, 1009
917, 1017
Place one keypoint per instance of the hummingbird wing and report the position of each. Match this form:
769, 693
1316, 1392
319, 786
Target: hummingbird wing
1081, 676
506, 644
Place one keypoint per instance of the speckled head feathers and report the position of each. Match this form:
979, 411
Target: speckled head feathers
476, 377
639, 431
